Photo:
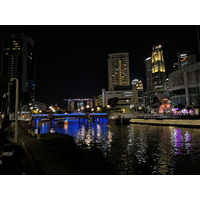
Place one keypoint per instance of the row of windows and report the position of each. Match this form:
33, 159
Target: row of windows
182, 91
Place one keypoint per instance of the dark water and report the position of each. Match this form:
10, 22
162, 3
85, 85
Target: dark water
138, 149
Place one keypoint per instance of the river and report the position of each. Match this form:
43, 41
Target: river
137, 149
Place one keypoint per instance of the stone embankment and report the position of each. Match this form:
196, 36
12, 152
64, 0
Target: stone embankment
195, 123
57, 154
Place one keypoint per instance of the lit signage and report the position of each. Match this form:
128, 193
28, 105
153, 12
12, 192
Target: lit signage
183, 55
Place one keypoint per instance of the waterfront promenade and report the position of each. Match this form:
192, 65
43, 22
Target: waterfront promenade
195, 123
56, 154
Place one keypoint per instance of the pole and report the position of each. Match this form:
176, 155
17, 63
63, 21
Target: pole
33, 128
38, 134
8, 106
16, 108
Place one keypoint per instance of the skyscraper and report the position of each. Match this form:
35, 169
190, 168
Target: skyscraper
138, 86
158, 70
149, 84
118, 70
18, 60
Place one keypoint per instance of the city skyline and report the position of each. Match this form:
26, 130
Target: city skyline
71, 61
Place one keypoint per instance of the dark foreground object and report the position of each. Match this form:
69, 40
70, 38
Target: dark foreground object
57, 154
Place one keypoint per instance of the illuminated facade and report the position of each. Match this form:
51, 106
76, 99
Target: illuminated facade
18, 60
184, 86
158, 70
186, 59
149, 84
125, 99
79, 104
118, 70
138, 87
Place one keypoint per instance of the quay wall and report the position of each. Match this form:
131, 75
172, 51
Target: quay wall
168, 122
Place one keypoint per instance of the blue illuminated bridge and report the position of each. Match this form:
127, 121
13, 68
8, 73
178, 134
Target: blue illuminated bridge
81, 115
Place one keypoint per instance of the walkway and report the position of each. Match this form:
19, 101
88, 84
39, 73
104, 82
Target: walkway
56, 154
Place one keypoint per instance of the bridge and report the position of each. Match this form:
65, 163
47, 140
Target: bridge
80, 115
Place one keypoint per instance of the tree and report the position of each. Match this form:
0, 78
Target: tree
113, 102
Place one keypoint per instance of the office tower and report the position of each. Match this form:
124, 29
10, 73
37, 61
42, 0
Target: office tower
18, 61
118, 70
138, 86
149, 84
158, 70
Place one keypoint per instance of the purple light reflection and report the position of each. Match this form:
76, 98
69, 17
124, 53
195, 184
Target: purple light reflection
178, 141
188, 142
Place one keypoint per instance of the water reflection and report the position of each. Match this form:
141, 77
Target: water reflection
181, 141
137, 149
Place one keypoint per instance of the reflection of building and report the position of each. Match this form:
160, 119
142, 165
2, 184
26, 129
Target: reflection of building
118, 70
79, 104
158, 70
148, 66
184, 85
18, 60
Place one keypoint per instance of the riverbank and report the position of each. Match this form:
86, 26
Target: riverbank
195, 123
57, 154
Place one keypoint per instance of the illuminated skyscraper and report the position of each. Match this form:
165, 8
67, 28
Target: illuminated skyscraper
138, 86
18, 60
158, 70
149, 84
118, 70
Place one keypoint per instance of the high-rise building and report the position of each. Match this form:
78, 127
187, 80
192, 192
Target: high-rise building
138, 86
158, 70
184, 86
18, 61
134, 83
118, 70
149, 84
186, 59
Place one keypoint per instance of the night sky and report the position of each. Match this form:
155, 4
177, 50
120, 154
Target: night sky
71, 61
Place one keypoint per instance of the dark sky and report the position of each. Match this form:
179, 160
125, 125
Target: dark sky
71, 61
